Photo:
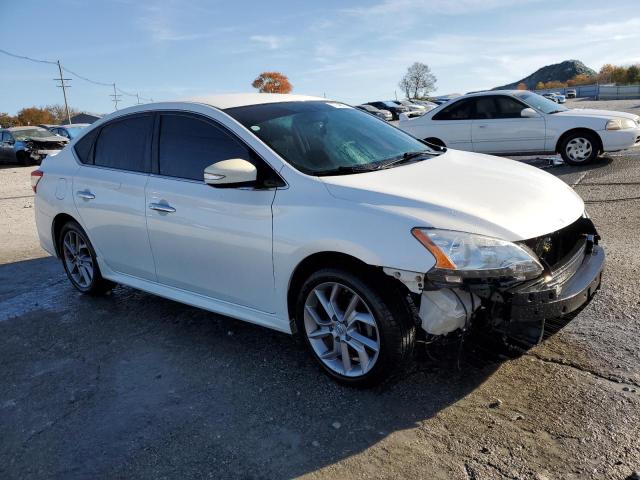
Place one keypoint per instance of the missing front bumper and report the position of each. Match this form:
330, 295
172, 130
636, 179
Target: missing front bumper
532, 312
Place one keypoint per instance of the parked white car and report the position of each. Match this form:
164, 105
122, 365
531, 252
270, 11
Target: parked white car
523, 123
312, 217
560, 98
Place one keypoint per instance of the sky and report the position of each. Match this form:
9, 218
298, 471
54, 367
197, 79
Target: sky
352, 51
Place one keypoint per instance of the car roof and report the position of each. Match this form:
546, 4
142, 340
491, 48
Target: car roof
231, 100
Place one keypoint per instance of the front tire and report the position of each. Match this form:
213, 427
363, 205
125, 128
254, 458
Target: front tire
79, 261
579, 148
358, 335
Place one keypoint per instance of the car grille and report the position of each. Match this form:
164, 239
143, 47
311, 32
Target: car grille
561, 252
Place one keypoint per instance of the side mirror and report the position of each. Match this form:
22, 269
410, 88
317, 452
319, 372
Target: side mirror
529, 113
234, 172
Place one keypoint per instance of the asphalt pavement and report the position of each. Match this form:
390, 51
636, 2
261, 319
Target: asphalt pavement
134, 386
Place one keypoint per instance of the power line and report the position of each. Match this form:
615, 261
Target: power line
95, 82
114, 97
22, 57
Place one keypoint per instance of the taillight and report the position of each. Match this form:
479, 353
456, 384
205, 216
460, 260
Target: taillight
36, 176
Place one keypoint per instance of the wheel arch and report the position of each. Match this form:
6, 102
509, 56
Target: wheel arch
56, 227
579, 130
318, 260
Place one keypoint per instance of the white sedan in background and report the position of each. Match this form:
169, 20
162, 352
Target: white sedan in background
516, 122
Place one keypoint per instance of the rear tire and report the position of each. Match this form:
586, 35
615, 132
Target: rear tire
579, 148
79, 261
359, 330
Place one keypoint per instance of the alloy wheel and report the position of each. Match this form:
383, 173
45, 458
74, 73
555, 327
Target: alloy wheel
341, 329
579, 149
77, 258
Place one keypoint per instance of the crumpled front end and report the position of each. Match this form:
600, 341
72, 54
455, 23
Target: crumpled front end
39, 149
522, 313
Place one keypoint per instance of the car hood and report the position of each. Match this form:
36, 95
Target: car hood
466, 192
588, 112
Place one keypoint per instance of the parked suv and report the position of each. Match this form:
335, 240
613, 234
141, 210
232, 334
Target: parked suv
312, 217
516, 122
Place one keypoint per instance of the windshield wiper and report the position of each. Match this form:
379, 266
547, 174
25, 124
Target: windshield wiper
407, 157
345, 170
555, 111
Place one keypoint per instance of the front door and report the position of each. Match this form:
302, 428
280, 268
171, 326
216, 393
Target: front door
498, 127
452, 125
216, 242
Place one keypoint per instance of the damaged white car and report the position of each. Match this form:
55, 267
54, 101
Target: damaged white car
311, 217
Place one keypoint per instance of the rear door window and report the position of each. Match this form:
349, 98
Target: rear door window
125, 144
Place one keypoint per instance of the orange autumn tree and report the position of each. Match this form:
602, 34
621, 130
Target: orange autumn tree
272, 82
522, 86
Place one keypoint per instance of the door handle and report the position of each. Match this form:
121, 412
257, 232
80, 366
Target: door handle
482, 126
85, 195
161, 207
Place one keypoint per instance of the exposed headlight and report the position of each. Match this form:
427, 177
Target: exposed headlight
620, 124
462, 255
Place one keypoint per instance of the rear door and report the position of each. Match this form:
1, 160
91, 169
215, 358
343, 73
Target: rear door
452, 125
216, 242
498, 126
109, 193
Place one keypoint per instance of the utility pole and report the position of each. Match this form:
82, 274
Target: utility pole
138, 97
64, 87
115, 97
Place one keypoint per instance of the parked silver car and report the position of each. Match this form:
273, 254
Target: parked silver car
384, 114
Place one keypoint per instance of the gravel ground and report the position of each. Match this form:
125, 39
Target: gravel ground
134, 386
631, 106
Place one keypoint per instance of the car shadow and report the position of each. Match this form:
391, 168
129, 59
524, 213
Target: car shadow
132, 385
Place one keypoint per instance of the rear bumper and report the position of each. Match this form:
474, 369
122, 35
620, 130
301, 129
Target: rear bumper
533, 311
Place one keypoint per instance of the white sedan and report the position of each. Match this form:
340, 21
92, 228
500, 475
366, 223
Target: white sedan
314, 218
524, 123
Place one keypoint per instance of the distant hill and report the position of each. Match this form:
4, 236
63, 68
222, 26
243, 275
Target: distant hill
560, 71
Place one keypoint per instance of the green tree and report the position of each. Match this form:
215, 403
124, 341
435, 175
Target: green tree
633, 75
7, 120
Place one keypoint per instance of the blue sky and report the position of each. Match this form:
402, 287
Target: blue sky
352, 51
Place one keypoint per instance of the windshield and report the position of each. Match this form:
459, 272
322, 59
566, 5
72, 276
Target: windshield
540, 103
319, 137
31, 133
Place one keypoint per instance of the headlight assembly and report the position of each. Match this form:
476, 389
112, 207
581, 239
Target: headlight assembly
620, 124
462, 255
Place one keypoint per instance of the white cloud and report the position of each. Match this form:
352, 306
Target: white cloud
272, 42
